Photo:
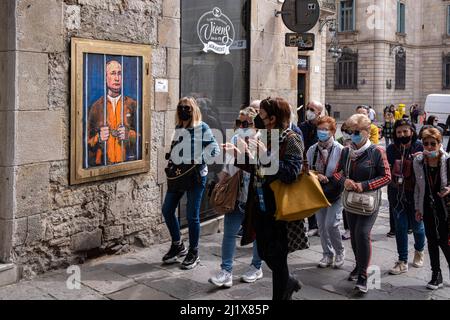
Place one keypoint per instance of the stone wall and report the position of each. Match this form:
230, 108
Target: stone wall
54, 224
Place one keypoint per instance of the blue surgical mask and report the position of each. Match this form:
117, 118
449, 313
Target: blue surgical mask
356, 139
431, 154
323, 135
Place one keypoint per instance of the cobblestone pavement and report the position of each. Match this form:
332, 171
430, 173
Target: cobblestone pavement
140, 275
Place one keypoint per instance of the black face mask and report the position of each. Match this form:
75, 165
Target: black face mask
259, 123
184, 115
404, 140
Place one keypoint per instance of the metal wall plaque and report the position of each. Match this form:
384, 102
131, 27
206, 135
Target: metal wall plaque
303, 41
300, 15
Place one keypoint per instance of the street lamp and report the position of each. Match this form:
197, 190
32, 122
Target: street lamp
334, 49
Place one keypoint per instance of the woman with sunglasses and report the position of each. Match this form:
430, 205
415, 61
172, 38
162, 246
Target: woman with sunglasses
432, 187
362, 167
271, 234
233, 220
189, 124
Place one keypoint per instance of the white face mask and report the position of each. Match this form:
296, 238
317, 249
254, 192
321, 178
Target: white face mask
310, 115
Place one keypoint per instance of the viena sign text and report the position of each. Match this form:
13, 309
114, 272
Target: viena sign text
216, 31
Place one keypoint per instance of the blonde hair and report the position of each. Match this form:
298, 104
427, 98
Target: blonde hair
196, 114
358, 120
249, 112
432, 133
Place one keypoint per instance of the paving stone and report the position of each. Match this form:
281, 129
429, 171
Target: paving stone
139, 292
105, 281
23, 291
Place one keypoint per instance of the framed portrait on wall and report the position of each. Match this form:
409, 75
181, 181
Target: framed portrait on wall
110, 109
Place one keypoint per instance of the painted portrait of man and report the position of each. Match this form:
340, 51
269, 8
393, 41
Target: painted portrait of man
113, 118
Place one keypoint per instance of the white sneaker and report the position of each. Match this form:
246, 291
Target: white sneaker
339, 261
313, 232
222, 279
325, 262
346, 235
399, 268
252, 274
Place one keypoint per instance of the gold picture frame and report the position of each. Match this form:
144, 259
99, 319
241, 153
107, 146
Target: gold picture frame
110, 110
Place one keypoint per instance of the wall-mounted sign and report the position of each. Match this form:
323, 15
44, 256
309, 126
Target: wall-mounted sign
303, 63
161, 85
216, 31
300, 15
304, 41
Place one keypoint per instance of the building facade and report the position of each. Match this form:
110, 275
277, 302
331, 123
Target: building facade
45, 222
393, 52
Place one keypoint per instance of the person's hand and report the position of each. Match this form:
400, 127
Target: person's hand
256, 144
419, 216
322, 178
349, 185
444, 192
359, 187
121, 132
104, 134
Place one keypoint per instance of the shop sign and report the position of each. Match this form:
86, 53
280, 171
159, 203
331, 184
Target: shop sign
216, 31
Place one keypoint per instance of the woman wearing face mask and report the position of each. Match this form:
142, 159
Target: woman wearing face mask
233, 220
362, 167
189, 125
271, 234
432, 186
401, 194
323, 157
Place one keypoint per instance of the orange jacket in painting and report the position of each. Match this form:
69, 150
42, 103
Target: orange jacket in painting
117, 151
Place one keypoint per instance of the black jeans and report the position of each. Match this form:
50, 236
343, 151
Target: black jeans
271, 239
344, 216
312, 223
434, 243
392, 200
360, 228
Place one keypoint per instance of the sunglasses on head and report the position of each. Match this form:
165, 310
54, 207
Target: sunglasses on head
350, 132
432, 144
243, 124
184, 107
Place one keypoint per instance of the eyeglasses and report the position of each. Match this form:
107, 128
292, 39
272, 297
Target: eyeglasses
350, 132
183, 107
243, 124
432, 144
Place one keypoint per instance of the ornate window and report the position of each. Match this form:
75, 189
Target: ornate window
446, 71
347, 15
400, 70
346, 70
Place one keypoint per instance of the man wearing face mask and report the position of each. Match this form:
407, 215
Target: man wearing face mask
309, 130
401, 194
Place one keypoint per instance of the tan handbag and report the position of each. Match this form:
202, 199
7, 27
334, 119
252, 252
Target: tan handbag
224, 195
300, 199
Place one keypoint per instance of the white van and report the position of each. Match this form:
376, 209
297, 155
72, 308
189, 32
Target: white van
439, 105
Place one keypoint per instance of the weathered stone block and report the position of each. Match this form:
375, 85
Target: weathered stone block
174, 94
39, 137
6, 192
159, 59
7, 78
162, 163
40, 25
86, 240
72, 17
171, 8
161, 101
169, 33
9, 274
114, 232
6, 234
20, 231
173, 63
7, 138
32, 81
35, 229
7, 26
32, 190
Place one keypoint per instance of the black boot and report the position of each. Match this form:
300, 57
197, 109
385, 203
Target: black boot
436, 281
176, 251
293, 286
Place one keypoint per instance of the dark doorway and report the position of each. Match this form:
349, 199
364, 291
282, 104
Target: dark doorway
301, 96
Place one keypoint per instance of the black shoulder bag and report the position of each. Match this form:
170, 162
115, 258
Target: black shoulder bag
180, 177
332, 189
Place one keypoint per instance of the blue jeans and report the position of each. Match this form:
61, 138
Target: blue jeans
232, 223
404, 216
330, 237
194, 200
